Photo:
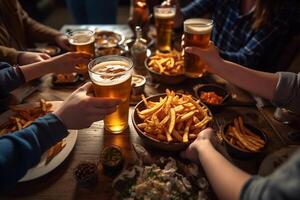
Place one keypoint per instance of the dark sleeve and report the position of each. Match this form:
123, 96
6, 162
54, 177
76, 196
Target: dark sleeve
10, 79
282, 184
275, 30
21, 150
197, 8
35, 30
287, 93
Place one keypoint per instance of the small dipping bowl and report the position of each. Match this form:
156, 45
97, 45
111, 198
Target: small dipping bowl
138, 83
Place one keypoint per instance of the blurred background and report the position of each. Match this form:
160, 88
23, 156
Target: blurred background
55, 13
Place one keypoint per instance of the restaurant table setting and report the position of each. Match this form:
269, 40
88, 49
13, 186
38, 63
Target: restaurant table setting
167, 96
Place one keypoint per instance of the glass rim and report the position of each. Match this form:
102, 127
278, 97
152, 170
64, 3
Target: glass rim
91, 65
69, 33
210, 22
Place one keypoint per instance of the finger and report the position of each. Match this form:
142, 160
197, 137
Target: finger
85, 88
102, 111
44, 56
81, 55
100, 102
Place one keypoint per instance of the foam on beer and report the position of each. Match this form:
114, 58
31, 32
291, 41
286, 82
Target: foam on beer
81, 39
198, 26
165, 13
103, 73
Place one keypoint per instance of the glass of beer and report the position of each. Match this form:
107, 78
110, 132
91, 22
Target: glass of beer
82, 40
197, 33
164, 22
111, 77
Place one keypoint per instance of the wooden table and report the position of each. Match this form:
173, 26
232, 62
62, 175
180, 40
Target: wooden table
59, 184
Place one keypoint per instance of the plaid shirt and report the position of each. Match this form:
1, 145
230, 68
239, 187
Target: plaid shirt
237, 41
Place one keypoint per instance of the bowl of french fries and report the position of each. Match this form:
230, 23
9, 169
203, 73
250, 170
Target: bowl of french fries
170, 121
166, 67
243, 140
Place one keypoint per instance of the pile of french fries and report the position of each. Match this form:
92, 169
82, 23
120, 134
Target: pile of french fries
23, 117
174, 118
167, 63
240, 136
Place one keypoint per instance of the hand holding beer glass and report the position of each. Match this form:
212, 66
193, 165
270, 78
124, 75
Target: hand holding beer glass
197, 33
82, 40
111, 77
164, 22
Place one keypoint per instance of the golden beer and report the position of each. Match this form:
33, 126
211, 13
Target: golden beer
82, 41
111, 77
164, 22
196, 33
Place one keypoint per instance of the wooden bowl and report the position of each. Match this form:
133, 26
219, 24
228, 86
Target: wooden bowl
239, 153
163, 78
152, 142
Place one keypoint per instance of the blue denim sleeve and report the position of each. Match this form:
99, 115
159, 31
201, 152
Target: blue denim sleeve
197, 8
282, 184
10, 79
287, 93
21, 150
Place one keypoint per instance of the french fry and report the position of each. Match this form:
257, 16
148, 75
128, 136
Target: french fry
174, 118
186, 130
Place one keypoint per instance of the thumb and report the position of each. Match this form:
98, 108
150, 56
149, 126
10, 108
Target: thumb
194, 50
87, 87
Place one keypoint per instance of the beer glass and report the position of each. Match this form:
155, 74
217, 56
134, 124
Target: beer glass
82, 40
164, 22
197, 33
111, 77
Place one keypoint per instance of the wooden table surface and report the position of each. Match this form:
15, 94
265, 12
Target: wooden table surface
59, 184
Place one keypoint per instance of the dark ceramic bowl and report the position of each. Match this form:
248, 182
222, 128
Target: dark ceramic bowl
152, 142
240, 153
218, 89
163, 78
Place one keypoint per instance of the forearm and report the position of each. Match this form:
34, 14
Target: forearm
226, 179
36, 70
22, 149
260, 83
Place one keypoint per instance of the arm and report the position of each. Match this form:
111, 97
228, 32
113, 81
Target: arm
9, 55
231, 183
245, 78
226, 179
35, 30
13, 77
23, 149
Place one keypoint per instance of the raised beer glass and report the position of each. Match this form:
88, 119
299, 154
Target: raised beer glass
164, 22
197, 33
82, 40
111, 77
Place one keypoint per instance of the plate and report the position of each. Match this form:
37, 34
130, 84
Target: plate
277, 158
41, 169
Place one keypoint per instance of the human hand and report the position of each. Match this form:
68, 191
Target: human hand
31, 57
66, 63
80, 110
63, 42
210, 55
193, 151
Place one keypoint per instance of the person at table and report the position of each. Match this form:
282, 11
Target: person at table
249, 32
21, 150
228, 181
18, 32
